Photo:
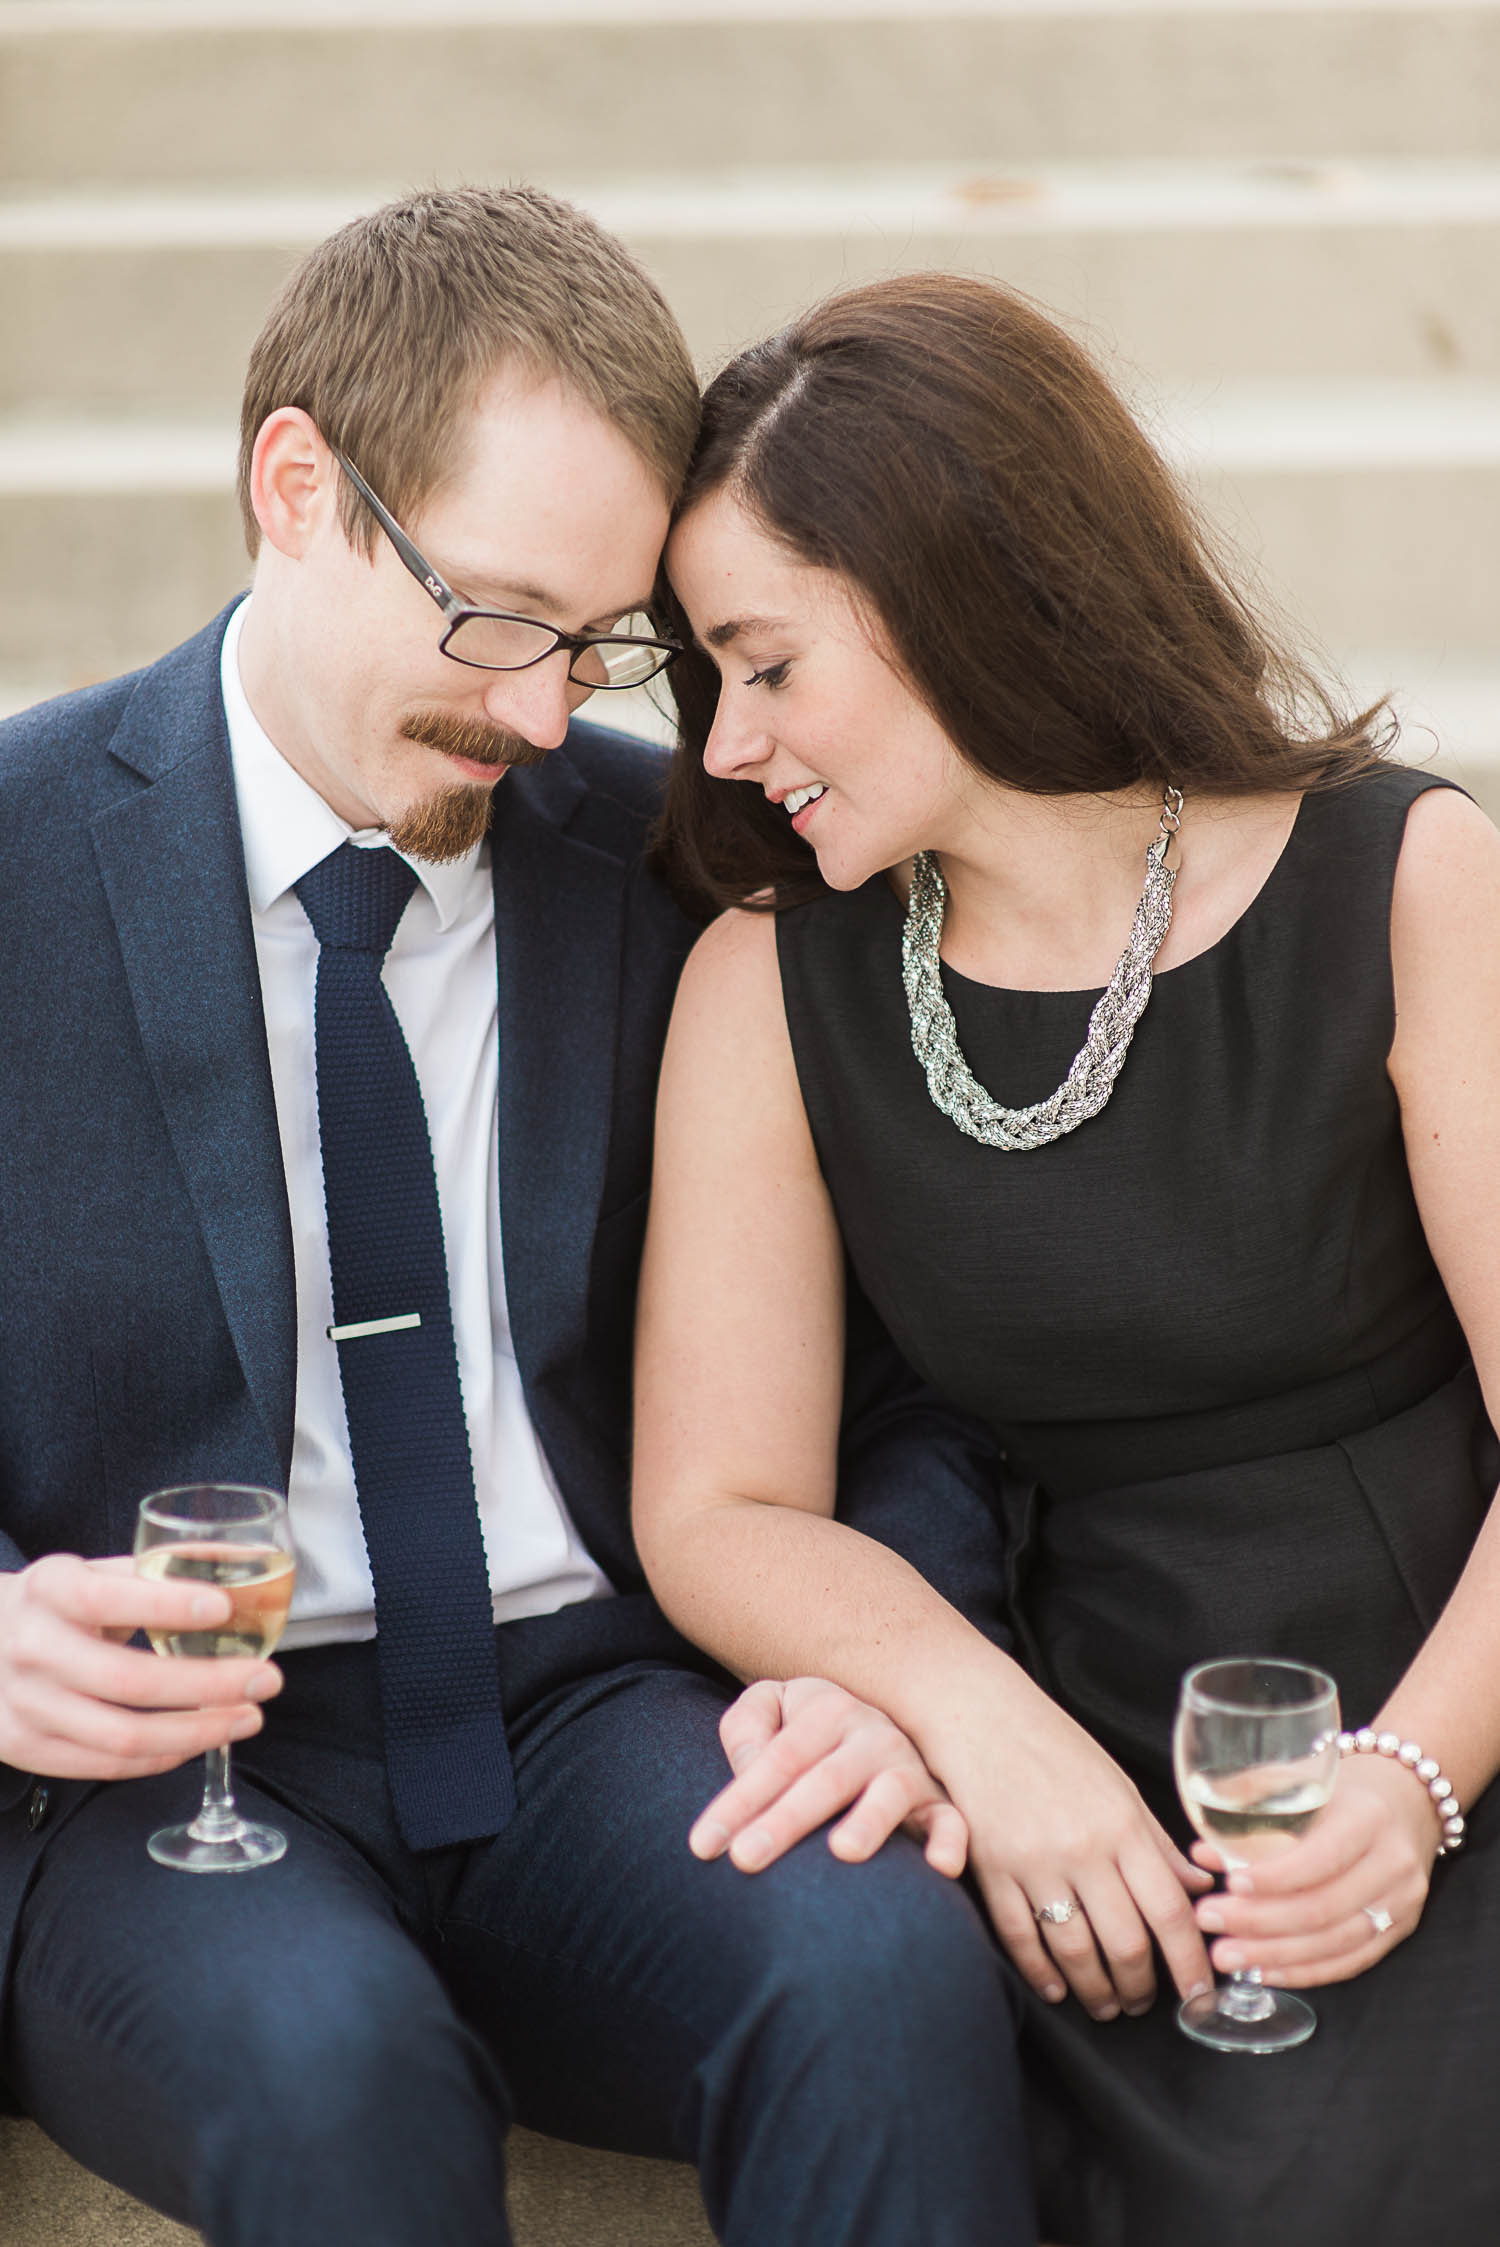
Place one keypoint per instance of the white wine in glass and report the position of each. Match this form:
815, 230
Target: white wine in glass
1255, 1748
240, 1539
258, 1582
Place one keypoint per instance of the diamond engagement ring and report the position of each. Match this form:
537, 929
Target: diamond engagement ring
1058, 1915
1379, 1918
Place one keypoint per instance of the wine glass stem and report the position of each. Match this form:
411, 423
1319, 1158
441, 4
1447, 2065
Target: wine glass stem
217, 1818
1243, 1999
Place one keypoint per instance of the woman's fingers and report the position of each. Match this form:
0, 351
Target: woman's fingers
1331, 1967
1103, 1951
1122, 1945
1261, 1919
1074, 1950
1057, 1953
1166, 1909
1015, 1924
1192, 1877
1330, 1945
1127, 1905
1341, 1837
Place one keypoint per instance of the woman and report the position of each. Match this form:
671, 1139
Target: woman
1221, 1270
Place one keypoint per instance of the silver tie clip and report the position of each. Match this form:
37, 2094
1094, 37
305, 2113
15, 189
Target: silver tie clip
361, 1327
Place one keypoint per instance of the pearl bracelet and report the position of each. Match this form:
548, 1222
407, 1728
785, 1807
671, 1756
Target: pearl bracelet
1423, 1767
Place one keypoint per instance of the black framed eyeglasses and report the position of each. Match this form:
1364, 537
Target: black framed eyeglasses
495, 640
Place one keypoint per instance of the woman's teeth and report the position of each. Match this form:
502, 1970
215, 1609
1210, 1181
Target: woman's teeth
800, 796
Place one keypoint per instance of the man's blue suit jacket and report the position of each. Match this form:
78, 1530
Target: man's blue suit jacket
147, 1321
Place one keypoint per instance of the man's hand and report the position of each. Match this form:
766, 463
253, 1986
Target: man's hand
806, 1750
78, 1703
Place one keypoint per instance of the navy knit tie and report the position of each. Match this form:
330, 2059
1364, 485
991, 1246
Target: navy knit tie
446, 1756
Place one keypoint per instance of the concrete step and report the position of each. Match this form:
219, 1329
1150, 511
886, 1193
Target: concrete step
559, 2196
135, 92
143, 301
1371, 512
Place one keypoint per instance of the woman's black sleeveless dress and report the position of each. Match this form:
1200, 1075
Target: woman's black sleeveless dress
1239, 1417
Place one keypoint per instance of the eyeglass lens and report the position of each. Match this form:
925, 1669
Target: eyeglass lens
500, 643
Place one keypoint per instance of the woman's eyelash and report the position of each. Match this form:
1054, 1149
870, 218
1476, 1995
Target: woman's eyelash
772, 676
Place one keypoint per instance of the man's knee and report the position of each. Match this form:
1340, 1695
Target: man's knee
353, 2047
386, 2116
264, 2072
887, 1969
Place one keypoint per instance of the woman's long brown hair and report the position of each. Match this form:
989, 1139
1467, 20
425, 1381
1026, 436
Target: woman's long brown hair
1026, 560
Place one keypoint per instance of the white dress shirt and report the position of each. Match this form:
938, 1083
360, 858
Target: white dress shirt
440, 976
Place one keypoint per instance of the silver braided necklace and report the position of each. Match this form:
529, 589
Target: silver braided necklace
1091, 1079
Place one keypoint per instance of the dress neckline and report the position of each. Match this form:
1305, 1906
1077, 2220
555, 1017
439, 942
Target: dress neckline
1163, 975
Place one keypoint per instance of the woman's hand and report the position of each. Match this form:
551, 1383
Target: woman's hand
1333, 1903
802, 1752
1054, 1822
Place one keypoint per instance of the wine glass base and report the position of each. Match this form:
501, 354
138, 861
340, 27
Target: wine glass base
179, 1847
1289, 2022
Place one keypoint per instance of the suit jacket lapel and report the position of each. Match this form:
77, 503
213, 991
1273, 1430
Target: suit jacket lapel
559, 907
173, 871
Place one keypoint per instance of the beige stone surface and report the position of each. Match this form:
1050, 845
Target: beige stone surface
1224, 194
46, 2200
560, 2196
99, 98
108, 327
1360, 555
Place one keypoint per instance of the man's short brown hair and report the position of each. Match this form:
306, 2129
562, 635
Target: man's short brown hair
388, 331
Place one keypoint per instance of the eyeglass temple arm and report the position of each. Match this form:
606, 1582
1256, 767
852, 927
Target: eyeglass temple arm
417, 562
448, 601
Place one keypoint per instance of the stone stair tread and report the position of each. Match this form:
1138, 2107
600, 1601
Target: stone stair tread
1124, 196
183, 89
238, 15
81, 453
1267, 424
1235, 427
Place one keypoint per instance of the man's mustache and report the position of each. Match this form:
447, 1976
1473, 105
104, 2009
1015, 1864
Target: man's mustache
470, 737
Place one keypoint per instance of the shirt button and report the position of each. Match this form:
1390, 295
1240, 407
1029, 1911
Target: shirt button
38, 1805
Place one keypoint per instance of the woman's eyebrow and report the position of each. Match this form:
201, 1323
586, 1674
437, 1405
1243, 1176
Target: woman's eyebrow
738, 628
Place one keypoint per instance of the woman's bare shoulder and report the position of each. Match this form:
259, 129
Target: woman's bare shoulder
1448, 871
733, 966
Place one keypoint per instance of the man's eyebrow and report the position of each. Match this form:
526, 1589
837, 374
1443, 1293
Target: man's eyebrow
547, 604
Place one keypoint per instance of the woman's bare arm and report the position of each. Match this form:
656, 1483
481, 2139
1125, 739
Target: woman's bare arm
1307, 1920
738, 1390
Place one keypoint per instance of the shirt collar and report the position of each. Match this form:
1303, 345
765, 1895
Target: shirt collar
286, 827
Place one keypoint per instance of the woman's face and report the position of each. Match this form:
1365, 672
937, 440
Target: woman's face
809, 710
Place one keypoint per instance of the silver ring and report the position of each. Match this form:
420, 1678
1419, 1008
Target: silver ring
1379, 1918
1058, 1914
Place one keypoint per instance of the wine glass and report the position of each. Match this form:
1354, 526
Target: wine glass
240, 1539
1255, 1748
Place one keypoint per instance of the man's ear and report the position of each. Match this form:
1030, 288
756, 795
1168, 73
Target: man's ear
293, 481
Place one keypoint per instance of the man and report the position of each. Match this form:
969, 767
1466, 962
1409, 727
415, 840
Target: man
323, 1161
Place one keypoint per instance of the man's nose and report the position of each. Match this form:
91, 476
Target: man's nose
535, 703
